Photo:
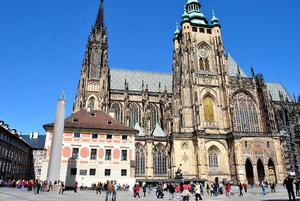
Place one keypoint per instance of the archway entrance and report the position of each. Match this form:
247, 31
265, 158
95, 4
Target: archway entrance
260, 171
249, 172
272, 171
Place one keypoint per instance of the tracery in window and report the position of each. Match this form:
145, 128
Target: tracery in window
160, 161
134, 115
209, 114
245, 117
213, 160
153, 117
116, 109
139, 160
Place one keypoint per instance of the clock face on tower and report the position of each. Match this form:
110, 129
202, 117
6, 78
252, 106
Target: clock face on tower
203, 53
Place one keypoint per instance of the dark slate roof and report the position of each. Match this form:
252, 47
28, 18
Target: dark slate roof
95, 119
35, 143
152, 79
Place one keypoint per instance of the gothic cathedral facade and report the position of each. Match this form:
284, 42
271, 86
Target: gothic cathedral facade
207, 117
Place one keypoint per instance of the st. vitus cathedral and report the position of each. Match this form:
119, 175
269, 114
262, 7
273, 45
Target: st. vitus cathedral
207, 118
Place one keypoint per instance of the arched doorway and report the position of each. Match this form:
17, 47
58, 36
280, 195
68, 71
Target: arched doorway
249, 172
272, 171
260, 171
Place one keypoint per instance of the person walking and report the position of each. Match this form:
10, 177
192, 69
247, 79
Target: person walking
198, 192
75, 186
289, 184
227, 189
137, 191
263, 187
111, 190
171, 189
241, 189
273, 185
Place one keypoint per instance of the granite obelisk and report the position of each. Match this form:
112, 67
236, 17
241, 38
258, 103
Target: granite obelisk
54, 164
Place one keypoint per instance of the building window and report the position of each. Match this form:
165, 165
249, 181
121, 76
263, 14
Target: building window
124, 137
93, 154
83, 172
123, 172
76, 134
107, 172
245, 118
209, 114
91, 104
92, 172
124, 155
213, 159
108, 154
194, 29
202, 30
94, 135
153, 117
139, 160
160, 161
39, 171
116, 109
246, 144
208, 31
73, 171
268, 144
75, 152
134, 115
109, 137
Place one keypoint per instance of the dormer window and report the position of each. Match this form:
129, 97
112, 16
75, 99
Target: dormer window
109, 122
208, 31
75, 120
93, 114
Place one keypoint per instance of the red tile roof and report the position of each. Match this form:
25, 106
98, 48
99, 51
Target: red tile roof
94, 119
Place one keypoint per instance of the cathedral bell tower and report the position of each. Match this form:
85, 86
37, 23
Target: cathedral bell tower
93, 86
199, 73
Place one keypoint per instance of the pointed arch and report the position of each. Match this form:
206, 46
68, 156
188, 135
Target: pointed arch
249, 172
134, 114
153, 117
91, 103
160, 160
260, 170
209, 111
272, 171
245, 116
213, 157
140, 159
117, 110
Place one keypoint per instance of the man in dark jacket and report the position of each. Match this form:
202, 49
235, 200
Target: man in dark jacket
289, 184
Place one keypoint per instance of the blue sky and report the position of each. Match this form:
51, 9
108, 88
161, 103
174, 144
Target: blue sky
43, 42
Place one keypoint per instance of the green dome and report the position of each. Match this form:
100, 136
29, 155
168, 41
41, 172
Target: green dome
214, 20
196, 15
185, 16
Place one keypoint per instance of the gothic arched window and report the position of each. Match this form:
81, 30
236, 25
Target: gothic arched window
91, 103
160, 161
213, 159
116, 109
245, 117
209, 114
153, 117
207, 65
134, 115
139, 160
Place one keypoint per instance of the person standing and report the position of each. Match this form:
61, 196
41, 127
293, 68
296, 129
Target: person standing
297, 184
144, 189
241, 189
289, 184
273, 187
111, 190
75, 186
227, 189
177, 191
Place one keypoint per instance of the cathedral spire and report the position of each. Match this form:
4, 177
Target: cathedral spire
99, 25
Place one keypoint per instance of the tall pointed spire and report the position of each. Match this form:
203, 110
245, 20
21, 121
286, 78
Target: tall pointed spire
99, 25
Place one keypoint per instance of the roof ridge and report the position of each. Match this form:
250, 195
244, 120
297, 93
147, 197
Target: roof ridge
143, 71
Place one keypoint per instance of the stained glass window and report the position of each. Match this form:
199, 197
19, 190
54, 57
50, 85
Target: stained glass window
213, 159
134, 115
153, 117
116, 109
209, 114
160, 161
91, 104
139, 160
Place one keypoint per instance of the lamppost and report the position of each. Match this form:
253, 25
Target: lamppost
287, 139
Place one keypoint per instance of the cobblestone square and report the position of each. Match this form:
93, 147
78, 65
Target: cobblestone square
23, 195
